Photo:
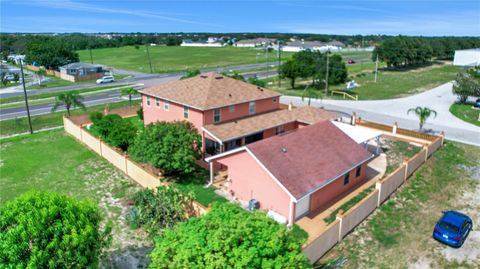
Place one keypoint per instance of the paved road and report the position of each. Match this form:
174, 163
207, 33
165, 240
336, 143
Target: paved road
146, 79
395, 110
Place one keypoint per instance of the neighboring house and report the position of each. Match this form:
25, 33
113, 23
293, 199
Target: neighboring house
297, 173
17, 59
81, 71
467, 58
256, 42
228, 113
208, 43
297, 46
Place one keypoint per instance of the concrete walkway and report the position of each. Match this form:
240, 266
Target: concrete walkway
395, 110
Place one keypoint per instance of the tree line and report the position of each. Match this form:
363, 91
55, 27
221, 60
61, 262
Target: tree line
407, 51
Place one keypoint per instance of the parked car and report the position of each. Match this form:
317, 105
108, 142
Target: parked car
105, 79
10, 77
351, 61
477, 103
453, 228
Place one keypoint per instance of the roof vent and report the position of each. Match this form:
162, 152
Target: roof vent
203, 76
284, 150
229, 95
218, 77
259, 88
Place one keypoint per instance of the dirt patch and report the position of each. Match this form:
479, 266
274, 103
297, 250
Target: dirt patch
130, 247
396, 152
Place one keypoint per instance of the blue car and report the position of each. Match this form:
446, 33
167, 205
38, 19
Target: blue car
453, 228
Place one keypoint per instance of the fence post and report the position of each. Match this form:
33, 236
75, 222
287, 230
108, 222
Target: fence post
442, 135
340, 219
394, 129
125, 156
378, 186
405, 162
354, 118
426, 153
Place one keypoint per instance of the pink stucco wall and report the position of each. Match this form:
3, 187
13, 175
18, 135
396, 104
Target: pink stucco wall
154, 113
241, 110
335, 190
248, 180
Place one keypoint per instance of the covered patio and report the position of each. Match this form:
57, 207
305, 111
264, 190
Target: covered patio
366, 137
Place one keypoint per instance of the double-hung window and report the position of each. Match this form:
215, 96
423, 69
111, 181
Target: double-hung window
165, 104
157, 102
346, 178
185, 112
231, 108
358, 172
148, 100
251, 108
216, 115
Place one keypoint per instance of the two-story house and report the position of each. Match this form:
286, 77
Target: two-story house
228, 113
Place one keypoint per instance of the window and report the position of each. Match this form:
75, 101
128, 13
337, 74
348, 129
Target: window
358, 171
165, 105
274, 99
185, 112
231, 108
251, 108
346, 178
279, 130
148, 100
157, 102
216, 115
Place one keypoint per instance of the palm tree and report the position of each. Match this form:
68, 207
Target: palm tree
68, 99
311, 93
41, 73
129, 91
423, 113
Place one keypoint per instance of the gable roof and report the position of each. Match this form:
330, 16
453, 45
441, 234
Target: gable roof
307, 159
253, 124
208, 91
80, 65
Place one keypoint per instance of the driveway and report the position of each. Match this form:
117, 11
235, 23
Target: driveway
395, 110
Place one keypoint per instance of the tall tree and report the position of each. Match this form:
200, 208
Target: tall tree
69, 99
423, 113
466, 85
40, 74
291, 70
50, 52
129, 91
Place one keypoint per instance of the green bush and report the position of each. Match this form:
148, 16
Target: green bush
116, 131
96, 117
140, 113
229, 237
173, 147
258, 82
158, 210
48, 230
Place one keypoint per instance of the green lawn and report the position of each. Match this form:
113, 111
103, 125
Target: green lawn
399, 233
54, 161
176, 58
52, 94
466, 113
203, 195
58, 82
390, 84
20, 125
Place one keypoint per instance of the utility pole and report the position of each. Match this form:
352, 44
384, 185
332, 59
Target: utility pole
149, 60
26, 98
279, 60
376, 68
326, 75
91, 57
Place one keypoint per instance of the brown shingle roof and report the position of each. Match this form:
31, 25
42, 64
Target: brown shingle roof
208, 91
305, 160
253, 124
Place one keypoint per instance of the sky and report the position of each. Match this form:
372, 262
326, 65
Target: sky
391, 17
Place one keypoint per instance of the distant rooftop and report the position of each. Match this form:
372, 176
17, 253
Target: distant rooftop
80, 65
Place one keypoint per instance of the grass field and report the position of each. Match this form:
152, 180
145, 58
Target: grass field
390, 84
20, 125
176, 58
466, 113
54, 161
57, 82
399, 233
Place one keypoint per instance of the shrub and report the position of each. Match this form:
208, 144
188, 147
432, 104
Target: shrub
116, 131
173, 147
140, 113
95, 117
191, 73
48, 230
229, 237
158, 210
258, 82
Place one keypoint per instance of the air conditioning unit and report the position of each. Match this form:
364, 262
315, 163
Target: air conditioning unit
253, 204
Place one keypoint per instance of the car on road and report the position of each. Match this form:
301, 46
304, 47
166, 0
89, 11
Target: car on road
477, 103
105, 79
453, 228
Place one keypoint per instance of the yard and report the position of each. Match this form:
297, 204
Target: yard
55, 82
390, 84
399, 233
466, 113
54, 161
177, 58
